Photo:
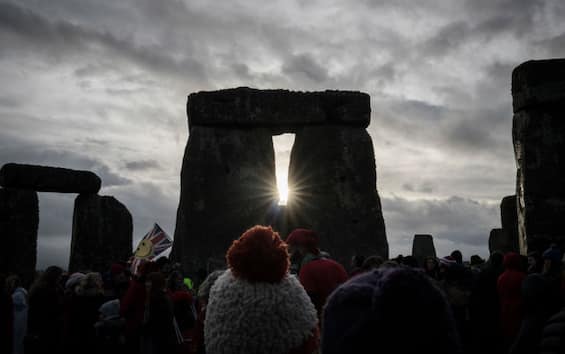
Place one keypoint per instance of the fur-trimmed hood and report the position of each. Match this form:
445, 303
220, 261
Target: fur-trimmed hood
259, 317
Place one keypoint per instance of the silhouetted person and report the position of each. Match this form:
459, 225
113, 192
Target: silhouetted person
20, 306
319, 276
390, 309
541, 296
371, 263
83, 314
484, 308
457, 256
510, 295
45, 315
158, 332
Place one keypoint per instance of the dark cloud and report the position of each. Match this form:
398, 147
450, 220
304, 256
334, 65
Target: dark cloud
57, 39
305, 65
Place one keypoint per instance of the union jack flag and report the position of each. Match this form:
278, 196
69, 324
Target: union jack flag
155, 242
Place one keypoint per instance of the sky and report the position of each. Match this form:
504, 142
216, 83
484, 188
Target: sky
102, 85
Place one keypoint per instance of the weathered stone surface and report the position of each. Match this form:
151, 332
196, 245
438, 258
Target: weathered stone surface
48, 179
500, 241
102, 233
538, 82
227, 185
539, 144
278, 109
509, 217
332, 178
19, 219
422, 247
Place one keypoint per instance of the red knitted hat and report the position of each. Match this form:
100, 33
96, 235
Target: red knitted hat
259, 255
305, 238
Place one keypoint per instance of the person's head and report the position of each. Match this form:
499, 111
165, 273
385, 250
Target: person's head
386, 308
73, 281
175, 281
372, 262
512, 261
52, 275
357, 261
551, 259
534, 262
476, 260
301, 242
457, 256
431, 264
90, 285
12, 283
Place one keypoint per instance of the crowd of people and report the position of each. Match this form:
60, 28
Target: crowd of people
288, 296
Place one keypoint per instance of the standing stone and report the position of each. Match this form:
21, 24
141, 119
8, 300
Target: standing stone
332, 178
48, 179
228, 184
228, 176
509, 217
422, 247
19, 219
102, 233
500, 241
538, 91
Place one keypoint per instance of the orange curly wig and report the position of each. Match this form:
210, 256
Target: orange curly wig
259, 255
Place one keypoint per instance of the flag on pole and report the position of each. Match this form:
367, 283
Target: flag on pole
155, 242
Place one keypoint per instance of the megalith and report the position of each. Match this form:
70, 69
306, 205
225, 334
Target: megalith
422, 247
227, 185
228, 175
538, 132
332, 176
499, 241
48, 179
102, 233
19, 220
509, 218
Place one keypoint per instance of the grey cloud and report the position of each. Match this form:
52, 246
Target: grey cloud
462, 221
305, 64
60, 38
555, 46
142, 165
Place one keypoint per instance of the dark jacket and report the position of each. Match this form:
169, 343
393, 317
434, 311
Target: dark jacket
553, 336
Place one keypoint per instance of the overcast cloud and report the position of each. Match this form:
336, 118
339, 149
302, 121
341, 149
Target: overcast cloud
102, 85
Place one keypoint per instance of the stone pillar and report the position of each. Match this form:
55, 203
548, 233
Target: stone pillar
509, 218
422, 247
500, 241
332, 179
538, 91
228, 184
19, 219
102, 233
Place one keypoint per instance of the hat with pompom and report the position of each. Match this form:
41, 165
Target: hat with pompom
274, 314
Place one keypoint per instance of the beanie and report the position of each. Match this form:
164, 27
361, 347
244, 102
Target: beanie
552, 253
305, 238
392, 308
274, 314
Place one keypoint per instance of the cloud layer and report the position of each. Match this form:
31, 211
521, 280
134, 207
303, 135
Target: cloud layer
102, 85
